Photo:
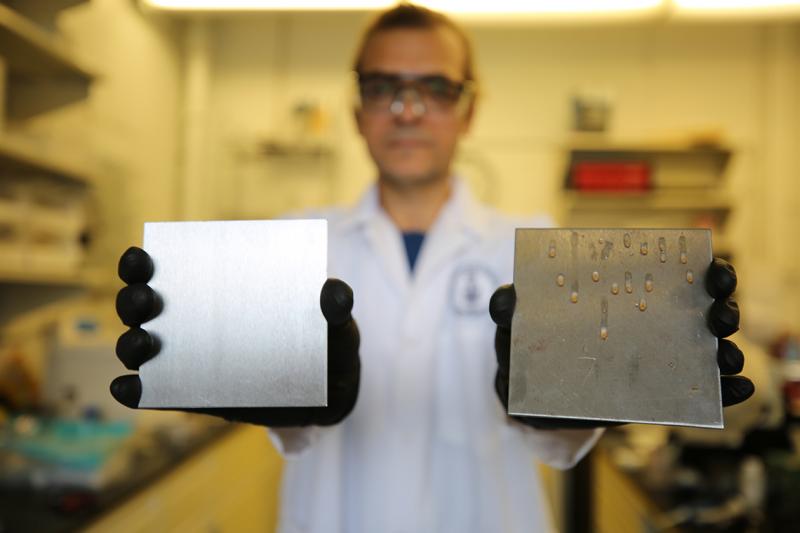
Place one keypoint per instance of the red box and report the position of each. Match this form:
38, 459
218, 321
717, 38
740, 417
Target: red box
611, 176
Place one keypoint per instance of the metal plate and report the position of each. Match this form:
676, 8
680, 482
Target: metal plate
610, 324
241, 324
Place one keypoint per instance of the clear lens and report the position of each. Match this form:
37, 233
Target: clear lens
437, 93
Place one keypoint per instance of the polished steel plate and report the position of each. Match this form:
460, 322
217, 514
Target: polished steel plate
610, 324
241, 324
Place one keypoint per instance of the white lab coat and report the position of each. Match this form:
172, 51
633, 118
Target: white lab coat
428, 447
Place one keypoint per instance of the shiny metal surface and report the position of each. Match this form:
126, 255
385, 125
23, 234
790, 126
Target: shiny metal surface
610, 324
241, 324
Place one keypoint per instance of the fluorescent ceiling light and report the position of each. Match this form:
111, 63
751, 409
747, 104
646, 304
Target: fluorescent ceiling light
541, 6
544, 10
497, 7
734, 4
266, 5
735, 8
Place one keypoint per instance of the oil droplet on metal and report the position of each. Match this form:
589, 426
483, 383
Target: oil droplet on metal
690, 276
648, 283
662, 257
604, 333
626, 240
643, 248
642, 304
595, 276
628, 283
551, 252
614, 289
560, 280
683, 249
573, 297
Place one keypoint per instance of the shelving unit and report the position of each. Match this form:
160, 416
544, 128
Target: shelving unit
20, 157
31, 51
686, 188
44, 190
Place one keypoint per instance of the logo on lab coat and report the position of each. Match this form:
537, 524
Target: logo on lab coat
471, 287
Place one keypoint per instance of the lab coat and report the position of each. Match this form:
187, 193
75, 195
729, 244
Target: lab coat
428, 447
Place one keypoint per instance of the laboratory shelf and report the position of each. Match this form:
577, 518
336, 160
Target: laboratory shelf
19, 156
43, 278
667, 147
661, 200
31, 51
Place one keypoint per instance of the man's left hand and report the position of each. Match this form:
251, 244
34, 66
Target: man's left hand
723, 321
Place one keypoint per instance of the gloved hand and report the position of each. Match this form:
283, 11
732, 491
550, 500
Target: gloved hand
723, 320
137, 303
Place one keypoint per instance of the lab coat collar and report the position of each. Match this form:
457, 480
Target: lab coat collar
461, 222
462, 210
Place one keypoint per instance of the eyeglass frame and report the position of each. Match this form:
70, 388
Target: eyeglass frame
466, 93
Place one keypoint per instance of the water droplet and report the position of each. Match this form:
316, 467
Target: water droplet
690, 276
642, 304
683, 249
643, 248
626, 240
595, 276
662, 257
662, 244
601, 242
560, 280
604, 318
551, 252
648, 283
628, 283
573, 297
614, 288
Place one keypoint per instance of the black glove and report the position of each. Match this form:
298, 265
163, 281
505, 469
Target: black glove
137, 303
723, 320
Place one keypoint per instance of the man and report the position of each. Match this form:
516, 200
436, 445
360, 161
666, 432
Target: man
427, 446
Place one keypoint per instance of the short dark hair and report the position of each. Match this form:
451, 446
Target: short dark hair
410, 16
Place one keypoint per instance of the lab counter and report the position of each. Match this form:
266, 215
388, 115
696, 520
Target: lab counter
223, 476
685, 489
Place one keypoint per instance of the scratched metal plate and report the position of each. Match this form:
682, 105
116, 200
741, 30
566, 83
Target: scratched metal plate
610, 324
241, 324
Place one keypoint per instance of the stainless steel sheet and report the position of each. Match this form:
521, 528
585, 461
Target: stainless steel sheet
610, 324
241, 324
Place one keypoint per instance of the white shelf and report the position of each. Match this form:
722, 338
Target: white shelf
18, 156
58, 279
662, 200
29, 50
676, 147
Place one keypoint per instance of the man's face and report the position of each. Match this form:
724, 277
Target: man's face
411, 146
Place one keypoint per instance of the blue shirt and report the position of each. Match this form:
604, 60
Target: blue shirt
413, 241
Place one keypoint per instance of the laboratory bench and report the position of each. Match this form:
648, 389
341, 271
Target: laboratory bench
223, 478
695, 489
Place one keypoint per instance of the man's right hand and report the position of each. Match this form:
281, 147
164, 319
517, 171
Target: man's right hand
137, 303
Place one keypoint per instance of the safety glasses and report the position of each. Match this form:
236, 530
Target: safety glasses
390, 93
